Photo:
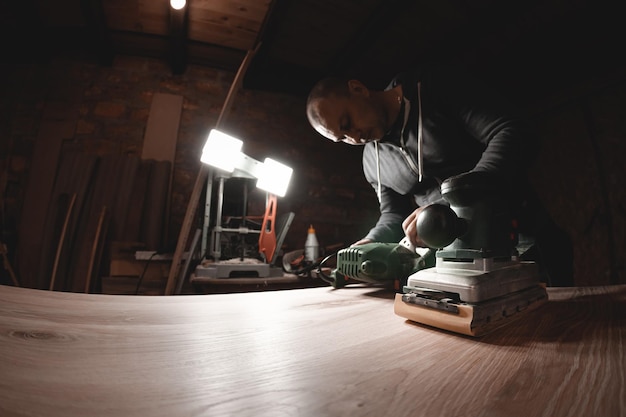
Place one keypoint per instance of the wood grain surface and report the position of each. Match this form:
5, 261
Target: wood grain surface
305, 352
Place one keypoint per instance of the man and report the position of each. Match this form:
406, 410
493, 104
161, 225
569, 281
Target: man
425, 127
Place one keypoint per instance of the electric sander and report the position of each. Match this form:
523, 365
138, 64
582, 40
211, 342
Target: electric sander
387, 264
478, 282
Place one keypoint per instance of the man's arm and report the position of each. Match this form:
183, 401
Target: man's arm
394, 208
492, 120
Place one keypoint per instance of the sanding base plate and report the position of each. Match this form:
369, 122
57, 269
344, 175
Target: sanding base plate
474, 319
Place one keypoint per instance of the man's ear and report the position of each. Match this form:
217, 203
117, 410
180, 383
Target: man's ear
358, 88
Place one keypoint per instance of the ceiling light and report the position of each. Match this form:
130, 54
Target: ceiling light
178, 4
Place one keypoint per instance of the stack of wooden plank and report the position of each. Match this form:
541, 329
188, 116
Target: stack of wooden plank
77, 203
96, 201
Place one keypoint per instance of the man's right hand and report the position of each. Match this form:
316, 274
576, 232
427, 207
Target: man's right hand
410, 228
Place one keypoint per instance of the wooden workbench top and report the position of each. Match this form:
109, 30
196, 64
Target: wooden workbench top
307, 352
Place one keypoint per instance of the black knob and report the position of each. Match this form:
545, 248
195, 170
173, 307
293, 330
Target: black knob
438, 226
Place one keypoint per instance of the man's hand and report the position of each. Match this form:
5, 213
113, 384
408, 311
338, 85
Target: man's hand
361, 242
410, 228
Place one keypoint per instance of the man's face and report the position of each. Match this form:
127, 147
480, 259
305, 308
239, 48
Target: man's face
355, 119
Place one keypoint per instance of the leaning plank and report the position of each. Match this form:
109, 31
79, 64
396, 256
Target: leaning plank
159, 142
96, 249
62, 245
126, 183
51, 228
73, 179
58, 123
103, 193
36, 201
154, 220
192, 206
55, 219
135, 211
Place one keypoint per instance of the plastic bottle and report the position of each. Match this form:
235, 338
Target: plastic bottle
311, 246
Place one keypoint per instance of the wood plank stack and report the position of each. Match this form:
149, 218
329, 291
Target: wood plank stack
76, 203
96, 201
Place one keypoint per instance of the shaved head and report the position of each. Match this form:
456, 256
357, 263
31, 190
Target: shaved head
347, 111
324, 89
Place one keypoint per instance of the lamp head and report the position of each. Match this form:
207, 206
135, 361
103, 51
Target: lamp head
224, 152
274, 177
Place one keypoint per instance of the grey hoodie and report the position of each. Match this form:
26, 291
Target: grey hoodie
464, 127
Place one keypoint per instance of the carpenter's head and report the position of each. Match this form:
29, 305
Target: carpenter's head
346, 111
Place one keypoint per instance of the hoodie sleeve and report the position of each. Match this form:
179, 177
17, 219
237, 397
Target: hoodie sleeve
510, 146
394, 208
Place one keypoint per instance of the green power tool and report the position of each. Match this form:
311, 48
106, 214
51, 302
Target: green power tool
377, 263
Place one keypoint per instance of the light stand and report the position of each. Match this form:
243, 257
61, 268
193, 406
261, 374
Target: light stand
223, 152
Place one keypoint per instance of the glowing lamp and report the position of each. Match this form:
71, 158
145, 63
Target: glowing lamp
274, 177
222, 151
177, 4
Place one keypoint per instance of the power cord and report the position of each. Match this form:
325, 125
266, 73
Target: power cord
327, 279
